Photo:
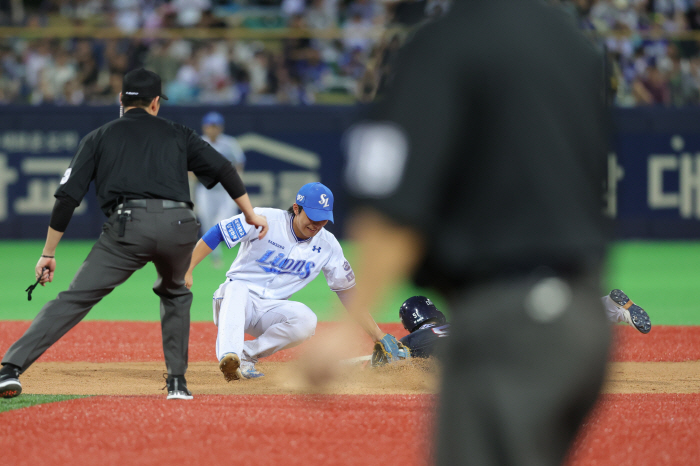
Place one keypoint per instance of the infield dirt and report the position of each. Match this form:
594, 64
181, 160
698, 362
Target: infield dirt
283, 378
204, 378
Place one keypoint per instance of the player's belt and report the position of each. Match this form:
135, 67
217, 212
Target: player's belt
143, 203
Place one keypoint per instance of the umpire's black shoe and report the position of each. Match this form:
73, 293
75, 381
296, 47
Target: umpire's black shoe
634, 315
177, 387
9, 381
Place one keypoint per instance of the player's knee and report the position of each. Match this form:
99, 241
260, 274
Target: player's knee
235, 288
304, 325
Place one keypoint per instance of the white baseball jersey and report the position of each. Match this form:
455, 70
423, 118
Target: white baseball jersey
281, 264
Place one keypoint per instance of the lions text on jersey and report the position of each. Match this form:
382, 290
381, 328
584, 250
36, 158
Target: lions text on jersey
281, 264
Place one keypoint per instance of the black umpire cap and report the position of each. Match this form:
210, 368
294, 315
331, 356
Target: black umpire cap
142, 84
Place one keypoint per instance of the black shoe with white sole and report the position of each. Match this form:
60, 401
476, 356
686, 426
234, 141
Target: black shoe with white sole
177, 387
10, 386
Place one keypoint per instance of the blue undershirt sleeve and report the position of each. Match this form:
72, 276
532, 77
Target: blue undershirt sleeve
213, 237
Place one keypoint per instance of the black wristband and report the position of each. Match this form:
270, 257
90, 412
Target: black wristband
62, 213
48, 257
231, 181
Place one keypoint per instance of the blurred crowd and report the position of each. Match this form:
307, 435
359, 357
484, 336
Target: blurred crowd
346, 68
654, 58
223, 72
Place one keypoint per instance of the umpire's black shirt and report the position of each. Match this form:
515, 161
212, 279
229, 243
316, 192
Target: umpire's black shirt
491, 143
140, 156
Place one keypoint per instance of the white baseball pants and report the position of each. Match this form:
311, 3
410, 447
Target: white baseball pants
614, 312
277, 324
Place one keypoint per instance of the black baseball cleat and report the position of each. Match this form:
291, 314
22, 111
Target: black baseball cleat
634, 315
177, 387
10, 386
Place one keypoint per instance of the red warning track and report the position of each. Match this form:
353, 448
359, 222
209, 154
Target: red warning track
641, 430
96, 341
211, 430
630, 429
656, 430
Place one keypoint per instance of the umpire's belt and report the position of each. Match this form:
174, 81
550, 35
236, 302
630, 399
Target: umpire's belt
151, 203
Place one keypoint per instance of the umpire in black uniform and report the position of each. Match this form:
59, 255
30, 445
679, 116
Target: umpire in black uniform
139, 164
481, 172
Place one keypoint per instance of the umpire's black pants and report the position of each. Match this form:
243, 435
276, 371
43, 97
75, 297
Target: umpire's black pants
520, 374
165, 237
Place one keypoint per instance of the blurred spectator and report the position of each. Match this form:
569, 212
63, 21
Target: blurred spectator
115, 54
357, 32
293, 7
296, 48
652, 87
184, 88
263, 79
9, 88
210, 21
37, 57
127, 15
11, 13
367, 10
88, 70
189, 12
55, 76
693, 14
313, 71
353, 63
73, 93
161, 62
322, 14
109, 94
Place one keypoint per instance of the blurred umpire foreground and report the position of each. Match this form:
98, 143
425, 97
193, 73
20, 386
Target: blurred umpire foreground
480, 174
139, 164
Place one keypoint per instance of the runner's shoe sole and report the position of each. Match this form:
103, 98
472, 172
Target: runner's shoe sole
230, 366
637, 316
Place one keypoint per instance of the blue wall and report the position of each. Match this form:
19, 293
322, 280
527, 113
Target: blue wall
653, 185
654, 173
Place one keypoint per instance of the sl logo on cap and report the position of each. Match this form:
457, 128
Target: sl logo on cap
300, 197
324, 200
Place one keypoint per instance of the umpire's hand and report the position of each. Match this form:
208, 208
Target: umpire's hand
45, 262
258, 221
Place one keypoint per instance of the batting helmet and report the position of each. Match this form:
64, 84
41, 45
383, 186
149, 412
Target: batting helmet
415, 311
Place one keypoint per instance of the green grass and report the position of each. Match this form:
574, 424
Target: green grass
135, 300
24, 401
663, 277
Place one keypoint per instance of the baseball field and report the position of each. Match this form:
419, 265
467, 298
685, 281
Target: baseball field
95, 397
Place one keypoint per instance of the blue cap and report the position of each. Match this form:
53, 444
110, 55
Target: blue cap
317, 201
213, 118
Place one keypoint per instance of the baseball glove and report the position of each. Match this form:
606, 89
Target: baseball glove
388, 350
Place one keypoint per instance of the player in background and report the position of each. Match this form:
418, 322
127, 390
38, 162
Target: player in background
265, 273
211, 205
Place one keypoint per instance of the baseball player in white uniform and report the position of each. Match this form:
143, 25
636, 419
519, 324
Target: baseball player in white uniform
214, 204
265, 273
